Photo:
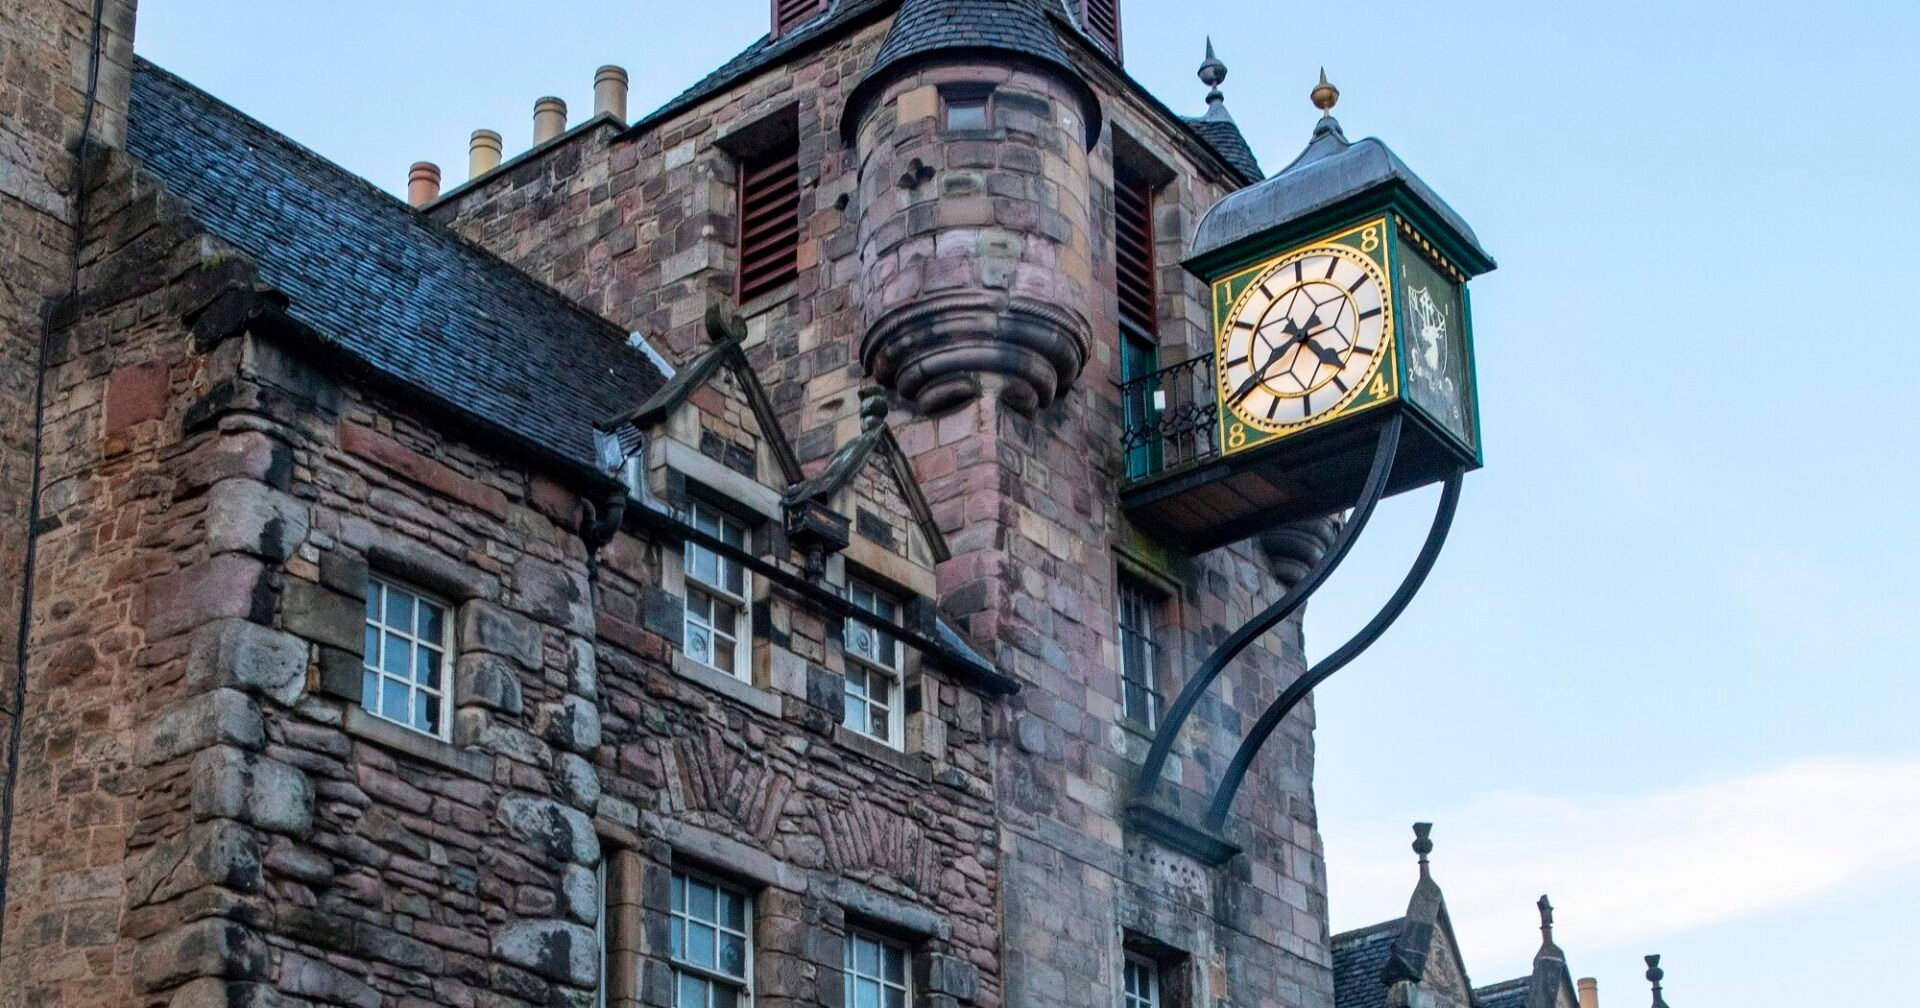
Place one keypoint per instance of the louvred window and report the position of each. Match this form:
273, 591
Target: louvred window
769, 222
1101, 19
789, 14
1133, 251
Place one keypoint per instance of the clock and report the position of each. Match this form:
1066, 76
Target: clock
1306, 338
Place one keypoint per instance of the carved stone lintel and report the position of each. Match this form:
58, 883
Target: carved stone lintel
942, 351
1292, 550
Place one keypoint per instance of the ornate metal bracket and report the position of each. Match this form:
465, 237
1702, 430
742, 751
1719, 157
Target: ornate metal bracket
1147, 783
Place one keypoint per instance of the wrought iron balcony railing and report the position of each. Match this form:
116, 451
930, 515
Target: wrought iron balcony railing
1168, 418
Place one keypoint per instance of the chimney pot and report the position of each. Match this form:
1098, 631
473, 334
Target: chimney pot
549, 119
423, 183
610, 93
483, 153
1589, 992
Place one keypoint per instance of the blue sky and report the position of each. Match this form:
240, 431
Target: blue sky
1665, 670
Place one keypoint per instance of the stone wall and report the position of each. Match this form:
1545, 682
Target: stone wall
640, 227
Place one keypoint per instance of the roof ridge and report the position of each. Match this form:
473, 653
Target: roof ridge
1368, 931
386, 199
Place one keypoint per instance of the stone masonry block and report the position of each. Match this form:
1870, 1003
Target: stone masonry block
322, 615
487, 627
580, 894
223, 716
561, 834
244, 516
225, 586
323, 981
203, 948
487, 680
572, 724
211, 992
562, 952
247, 656
579, 782
231, 784
220, 853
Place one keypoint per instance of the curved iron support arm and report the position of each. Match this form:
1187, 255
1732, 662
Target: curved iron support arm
1297, 690
1196, 687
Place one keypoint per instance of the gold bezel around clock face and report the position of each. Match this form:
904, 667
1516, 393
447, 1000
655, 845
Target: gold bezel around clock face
1305, 338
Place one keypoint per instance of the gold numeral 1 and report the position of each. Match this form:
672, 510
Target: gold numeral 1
1378, 389
1370, 238
1237, 436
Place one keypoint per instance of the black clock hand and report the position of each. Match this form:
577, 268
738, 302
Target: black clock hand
1326, 356
1295, 334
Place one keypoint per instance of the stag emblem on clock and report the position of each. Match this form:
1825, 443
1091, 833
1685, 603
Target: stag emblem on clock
1306, 338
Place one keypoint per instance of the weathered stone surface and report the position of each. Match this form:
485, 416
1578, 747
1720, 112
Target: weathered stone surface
246, 516
486, 626
562, 952
573, 724
323, 615
579, 781
232, 784
487, 680
951, 976
247, 656
225, 586
553, 594
583, 672
580, 894
203, 948
221, 853
221, 716
558, 833
315, 979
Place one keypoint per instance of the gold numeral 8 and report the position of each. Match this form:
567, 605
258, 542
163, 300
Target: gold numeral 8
1237, 435
1370, 239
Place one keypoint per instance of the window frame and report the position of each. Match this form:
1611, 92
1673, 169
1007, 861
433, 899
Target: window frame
1145, 628
851, 974
680, 879
969, 93
372, 694
1135, 964
893, 701
742, 633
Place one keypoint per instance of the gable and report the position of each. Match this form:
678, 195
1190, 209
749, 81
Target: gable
1445, 978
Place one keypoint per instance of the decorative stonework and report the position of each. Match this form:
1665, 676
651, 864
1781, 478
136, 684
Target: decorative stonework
942, 351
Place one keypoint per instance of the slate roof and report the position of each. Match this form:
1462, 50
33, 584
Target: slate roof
1360, 958
1506, 994
1226, 140
380, 281
845, 16
926, 28
1331, 169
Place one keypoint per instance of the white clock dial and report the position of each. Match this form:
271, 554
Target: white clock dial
1305, 338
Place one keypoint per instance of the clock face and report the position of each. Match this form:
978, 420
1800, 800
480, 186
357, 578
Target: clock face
1305, 338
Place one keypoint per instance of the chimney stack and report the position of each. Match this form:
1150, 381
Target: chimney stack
549, 119
610, 93
1589, 992
423, 183
483, 153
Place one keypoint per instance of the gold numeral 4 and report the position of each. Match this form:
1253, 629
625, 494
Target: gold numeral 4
1379, 387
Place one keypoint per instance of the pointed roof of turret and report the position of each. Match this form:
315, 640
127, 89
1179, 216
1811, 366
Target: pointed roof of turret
1547, 986
1330, 171
1367, 962
926, 30
1217, 127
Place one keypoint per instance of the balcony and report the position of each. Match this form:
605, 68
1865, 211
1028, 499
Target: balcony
1182, 489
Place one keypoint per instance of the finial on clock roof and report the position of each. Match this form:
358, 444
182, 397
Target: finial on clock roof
1325, 96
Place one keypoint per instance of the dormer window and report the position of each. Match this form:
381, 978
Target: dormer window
1101, 19
791, 14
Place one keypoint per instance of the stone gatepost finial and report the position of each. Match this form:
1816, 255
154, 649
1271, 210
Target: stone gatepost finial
1423, 844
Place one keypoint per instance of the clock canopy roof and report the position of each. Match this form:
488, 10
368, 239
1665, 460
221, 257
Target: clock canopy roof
1332, 173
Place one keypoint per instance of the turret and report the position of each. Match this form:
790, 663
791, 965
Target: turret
972, 130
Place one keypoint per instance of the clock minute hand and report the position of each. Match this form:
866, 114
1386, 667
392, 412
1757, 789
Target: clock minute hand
1294, 333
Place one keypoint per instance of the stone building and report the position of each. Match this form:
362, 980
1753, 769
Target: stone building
678, 565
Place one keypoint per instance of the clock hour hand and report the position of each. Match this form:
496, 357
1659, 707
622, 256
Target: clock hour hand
1295, 333
1331, 357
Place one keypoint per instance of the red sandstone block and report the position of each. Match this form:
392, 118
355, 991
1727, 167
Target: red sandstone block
555, 501
390, 454
228, 585
135, 394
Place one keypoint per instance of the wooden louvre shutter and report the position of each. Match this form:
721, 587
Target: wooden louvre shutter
790, 13
769, 222
1133, 252
1101, 19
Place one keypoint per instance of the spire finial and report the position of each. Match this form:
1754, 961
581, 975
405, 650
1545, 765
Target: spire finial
1546, 920
1423, 844
1325, 96
1654, 975
1212, 73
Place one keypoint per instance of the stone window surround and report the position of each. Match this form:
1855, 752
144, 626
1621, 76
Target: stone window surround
892, 674
412, 564
969, 92
1169, 628
1177, 983
710, 479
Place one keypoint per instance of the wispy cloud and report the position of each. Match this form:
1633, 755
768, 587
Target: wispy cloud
1630, 868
